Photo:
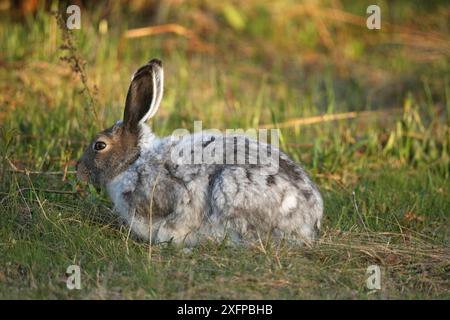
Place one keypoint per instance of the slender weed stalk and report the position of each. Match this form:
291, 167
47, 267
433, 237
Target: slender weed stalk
77, 65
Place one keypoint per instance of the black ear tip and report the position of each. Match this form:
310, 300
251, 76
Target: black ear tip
156, 61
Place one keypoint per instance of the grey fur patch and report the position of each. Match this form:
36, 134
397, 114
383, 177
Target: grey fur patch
128, 196
270, 179
206, 143
171, 172
248, 174
307, 194
213, 177
290, 169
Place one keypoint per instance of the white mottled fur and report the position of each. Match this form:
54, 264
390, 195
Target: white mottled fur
164, 200
191, 223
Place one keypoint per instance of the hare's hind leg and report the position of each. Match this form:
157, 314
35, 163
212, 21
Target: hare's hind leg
240, 209
253, 206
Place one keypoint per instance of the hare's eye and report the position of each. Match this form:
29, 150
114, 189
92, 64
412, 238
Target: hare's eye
99, 145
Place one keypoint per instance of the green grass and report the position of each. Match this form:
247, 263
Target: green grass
384, 177
38, 244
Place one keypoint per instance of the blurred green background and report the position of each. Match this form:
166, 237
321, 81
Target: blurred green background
367, 112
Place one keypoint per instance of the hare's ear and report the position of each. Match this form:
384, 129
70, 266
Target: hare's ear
144, 95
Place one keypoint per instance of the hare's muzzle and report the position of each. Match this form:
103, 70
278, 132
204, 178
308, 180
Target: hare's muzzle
82, 172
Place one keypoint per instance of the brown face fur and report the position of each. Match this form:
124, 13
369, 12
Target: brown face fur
121, 140
100, 167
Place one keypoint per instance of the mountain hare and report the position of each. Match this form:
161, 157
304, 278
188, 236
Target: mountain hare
164, 199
